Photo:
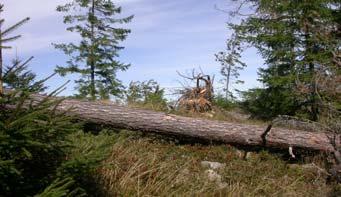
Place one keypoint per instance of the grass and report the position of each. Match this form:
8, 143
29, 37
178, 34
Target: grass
150, 165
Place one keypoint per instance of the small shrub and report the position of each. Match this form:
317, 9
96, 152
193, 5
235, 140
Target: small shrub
33, 143
266, 104
221, 102
84, 158
146, 94
62, 188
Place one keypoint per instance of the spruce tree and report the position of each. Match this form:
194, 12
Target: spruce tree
5, 38
18, 76
95, 56
33, 141
298, 41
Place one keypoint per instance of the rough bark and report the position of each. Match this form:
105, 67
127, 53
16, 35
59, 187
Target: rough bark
231, 133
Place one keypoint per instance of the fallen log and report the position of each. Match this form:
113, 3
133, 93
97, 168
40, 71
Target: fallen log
220, 131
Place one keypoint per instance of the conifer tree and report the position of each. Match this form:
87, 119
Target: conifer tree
298, 41
146, 92
95, 56
35, 145
231, 64
33, 141
18, 76
5, 38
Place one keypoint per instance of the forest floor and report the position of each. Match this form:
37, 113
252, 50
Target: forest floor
151, 165
140, 164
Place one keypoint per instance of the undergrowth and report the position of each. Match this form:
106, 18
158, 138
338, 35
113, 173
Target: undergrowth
141, 165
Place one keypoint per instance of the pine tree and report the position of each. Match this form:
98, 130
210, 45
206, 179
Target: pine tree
94, 58
4, 39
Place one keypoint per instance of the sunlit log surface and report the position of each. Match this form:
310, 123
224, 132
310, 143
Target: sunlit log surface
219, 131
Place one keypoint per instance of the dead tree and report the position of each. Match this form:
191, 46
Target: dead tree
200, 97
158, 122
147, 121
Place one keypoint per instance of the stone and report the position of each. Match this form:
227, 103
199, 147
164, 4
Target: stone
213, 165
215, 177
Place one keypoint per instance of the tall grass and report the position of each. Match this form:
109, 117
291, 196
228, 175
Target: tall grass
149, 166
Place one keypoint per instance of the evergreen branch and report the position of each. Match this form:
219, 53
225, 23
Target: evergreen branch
10, 39
58, 90
44, 80
14, 27
16, 66
5, 47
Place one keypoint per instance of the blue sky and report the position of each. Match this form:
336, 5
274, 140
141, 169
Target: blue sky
167, 36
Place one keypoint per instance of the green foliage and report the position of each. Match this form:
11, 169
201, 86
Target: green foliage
85, 157
231, 64
17, 76
94, 58
42, 147
39, 149
62, 188
221, 102
34, 139
5, 38
146, 93
268, 103
298, 42
32, 145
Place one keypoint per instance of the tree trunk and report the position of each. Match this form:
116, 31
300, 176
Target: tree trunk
162, 123
311, 68
313, 96
228, 82
92, 55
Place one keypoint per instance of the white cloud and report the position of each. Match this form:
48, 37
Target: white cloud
31, 43
166, 36
15, 10
38, 9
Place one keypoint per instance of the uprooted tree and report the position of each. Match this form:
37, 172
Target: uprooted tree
200, 97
